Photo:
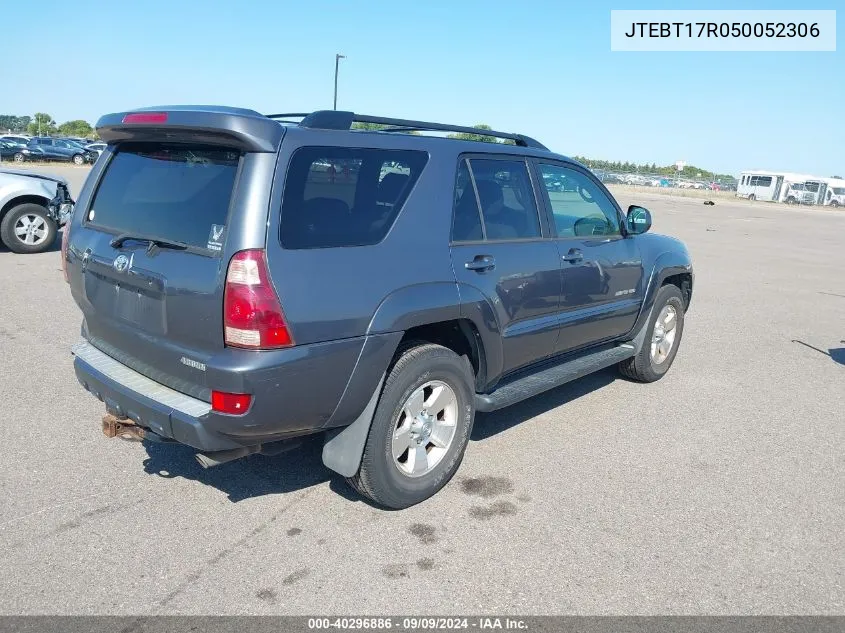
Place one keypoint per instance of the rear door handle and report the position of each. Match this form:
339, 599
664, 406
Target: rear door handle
574, 255
481, 263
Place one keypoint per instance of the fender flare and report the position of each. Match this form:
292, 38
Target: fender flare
418, 304
423, 304
665, 265
476, 308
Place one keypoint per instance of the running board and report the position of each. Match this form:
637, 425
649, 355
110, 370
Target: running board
536, 383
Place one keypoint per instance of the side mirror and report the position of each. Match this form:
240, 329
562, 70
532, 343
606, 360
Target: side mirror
638, 220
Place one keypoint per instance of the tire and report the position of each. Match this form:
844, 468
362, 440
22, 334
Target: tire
78, 159
19, 157
790, 200
19, 219
752, 197
834, 204
418, 375
646, 366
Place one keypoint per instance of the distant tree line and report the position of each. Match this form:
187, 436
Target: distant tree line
689, 171
44, 124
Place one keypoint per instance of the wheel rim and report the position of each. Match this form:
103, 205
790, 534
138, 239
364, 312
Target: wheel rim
665, 331
31, 229
18, 158
78, 160
425, 429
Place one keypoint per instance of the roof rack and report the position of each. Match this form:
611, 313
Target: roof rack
342, 120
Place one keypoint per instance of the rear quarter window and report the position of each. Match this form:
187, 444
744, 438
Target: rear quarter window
337, 196
170, 191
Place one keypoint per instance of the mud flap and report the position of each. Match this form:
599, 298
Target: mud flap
344, 447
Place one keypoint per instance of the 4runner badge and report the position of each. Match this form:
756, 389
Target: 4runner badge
192, 363
121, 263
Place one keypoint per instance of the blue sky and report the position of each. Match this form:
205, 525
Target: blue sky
543, 68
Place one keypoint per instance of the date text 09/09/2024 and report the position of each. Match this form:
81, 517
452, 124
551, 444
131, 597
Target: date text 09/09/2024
723, 29
421, 623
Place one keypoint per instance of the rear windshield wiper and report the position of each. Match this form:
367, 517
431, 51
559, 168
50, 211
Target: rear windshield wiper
153, 241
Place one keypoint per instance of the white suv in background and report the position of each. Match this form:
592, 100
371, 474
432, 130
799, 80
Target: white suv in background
96, 147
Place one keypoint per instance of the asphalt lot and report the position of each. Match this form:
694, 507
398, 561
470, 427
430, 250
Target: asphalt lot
720, 489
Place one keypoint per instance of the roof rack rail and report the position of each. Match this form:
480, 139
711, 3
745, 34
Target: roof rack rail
342, 120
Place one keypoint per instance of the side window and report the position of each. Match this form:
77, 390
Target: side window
340, 196
580, 208
508, 207
466, 219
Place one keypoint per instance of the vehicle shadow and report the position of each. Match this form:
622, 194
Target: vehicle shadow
302, 467
245, 478
489, 424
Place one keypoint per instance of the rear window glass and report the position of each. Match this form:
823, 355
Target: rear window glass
170, 191
338, 196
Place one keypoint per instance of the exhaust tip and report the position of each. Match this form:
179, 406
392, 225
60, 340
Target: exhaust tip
209, 460
204, 461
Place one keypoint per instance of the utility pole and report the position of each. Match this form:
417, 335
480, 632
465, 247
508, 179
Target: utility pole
337, 59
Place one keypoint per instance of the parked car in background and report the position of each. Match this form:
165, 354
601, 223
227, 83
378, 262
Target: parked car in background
8, 150
32, 209
612, 179
96, 147
634, 179
46, 148
15, 139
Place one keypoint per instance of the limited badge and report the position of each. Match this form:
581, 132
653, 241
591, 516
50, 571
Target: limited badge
215, 237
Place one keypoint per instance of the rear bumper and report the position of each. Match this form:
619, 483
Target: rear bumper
166, 412
296, 391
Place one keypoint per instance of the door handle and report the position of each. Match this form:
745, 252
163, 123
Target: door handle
481, 263
574, 255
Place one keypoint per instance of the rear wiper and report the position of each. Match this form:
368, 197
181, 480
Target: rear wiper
153, 241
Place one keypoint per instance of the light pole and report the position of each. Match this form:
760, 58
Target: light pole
337, 59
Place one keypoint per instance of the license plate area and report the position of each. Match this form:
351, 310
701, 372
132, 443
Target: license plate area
138, 299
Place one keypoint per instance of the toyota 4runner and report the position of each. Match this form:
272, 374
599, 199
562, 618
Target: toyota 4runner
246, 280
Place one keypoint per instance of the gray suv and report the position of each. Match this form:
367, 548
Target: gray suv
246, 280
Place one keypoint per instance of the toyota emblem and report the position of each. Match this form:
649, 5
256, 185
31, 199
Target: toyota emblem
121, 263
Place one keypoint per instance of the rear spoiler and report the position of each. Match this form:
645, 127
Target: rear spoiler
243, 129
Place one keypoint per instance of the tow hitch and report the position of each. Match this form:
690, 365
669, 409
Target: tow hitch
123, 428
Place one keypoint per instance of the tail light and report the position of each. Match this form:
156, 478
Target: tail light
252, 314
65, 237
